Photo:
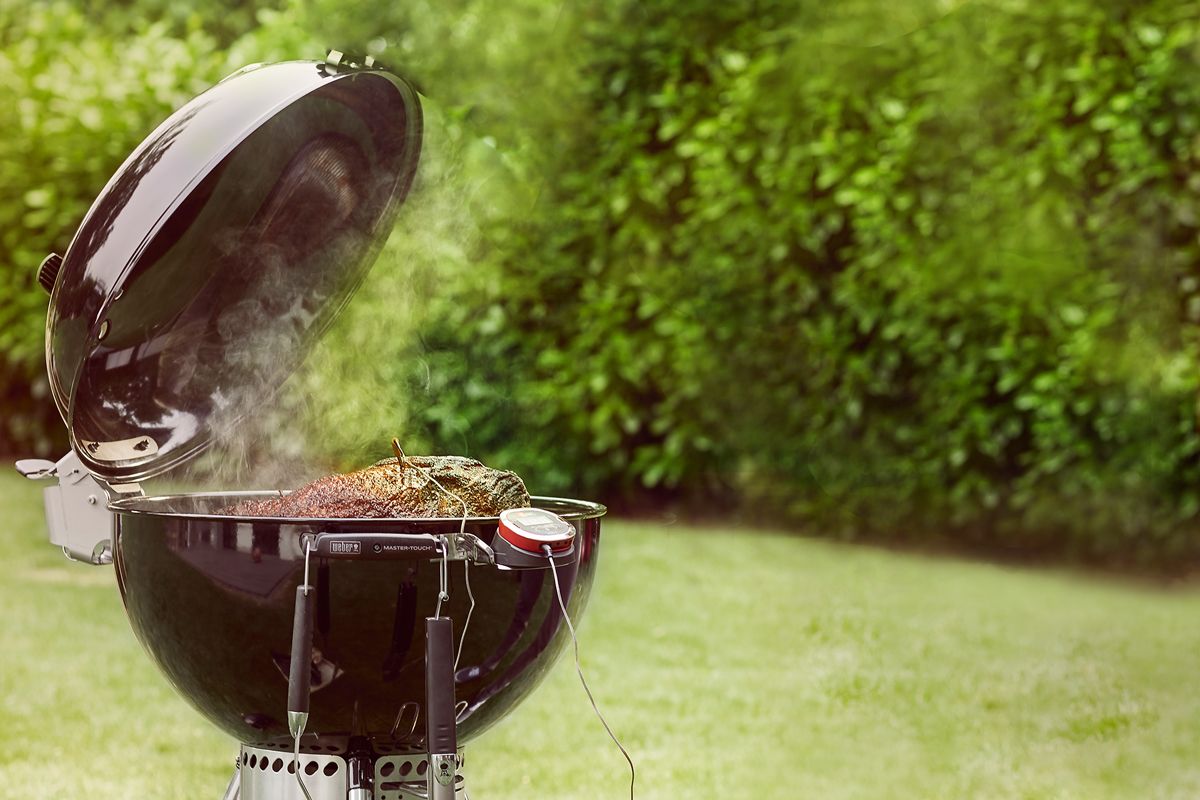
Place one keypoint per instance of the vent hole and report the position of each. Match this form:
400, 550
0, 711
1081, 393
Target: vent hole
310, 768
331, 768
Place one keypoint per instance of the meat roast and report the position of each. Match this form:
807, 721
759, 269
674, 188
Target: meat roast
404, 486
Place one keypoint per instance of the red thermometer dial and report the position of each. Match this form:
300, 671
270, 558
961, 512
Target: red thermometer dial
531, 529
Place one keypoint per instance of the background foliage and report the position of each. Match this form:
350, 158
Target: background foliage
897, 270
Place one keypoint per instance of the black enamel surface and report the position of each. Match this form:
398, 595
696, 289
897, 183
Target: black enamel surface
212, 598
226, 242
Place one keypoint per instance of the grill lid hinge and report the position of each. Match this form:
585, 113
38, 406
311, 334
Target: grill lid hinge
77, 513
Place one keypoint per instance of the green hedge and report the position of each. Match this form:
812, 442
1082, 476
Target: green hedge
939, 287
869, 267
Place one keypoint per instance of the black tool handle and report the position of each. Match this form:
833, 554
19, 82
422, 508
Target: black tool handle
440, 733
377, 546
300, 674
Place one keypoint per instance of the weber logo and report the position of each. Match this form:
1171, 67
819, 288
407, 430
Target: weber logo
345, 548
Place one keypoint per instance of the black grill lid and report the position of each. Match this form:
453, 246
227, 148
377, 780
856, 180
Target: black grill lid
218, 252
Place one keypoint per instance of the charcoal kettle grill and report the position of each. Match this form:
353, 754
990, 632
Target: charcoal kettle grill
203, 273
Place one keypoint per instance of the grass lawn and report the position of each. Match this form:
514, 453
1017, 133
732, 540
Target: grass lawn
734, 665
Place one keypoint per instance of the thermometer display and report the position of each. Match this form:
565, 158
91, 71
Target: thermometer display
533, 528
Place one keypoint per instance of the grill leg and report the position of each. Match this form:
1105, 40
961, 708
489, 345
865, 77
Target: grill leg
234, 790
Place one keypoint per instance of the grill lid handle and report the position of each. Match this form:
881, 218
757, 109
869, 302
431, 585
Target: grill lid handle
48, 272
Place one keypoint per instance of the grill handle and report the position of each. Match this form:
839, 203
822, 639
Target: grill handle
378, 546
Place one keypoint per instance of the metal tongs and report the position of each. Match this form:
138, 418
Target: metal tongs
441, 734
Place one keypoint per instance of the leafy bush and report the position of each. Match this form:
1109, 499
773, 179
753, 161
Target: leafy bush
938, 287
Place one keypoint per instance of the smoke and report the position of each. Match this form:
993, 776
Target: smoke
347, 399
487, 132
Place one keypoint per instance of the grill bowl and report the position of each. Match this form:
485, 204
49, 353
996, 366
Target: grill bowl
211, 599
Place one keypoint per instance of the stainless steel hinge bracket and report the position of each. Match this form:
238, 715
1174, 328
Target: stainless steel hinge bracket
77, 514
